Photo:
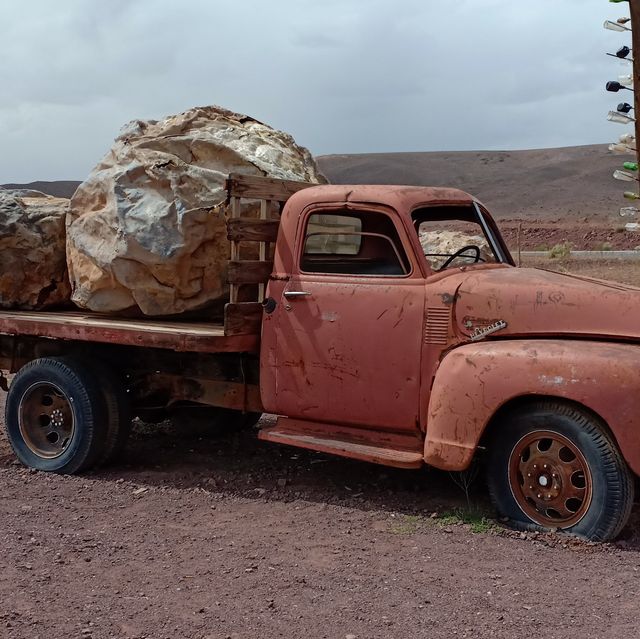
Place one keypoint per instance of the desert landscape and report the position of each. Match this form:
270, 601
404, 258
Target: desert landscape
541, 199
554, 195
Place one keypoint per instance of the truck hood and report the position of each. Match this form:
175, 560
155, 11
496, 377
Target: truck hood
536, 302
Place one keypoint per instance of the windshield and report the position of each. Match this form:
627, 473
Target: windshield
454, 236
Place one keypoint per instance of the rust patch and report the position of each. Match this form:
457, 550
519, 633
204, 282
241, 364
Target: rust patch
448, 298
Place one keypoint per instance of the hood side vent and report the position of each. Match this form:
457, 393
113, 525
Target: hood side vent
436, 328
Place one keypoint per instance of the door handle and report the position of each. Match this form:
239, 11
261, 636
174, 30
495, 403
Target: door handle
293, 294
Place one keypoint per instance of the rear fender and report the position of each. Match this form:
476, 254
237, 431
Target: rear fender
475, 380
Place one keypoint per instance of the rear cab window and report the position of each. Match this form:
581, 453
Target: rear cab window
345, 242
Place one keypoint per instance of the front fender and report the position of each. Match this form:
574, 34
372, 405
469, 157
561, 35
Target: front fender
475, 380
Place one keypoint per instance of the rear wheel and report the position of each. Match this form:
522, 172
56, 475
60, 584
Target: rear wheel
554, 466
55, 416
118, 414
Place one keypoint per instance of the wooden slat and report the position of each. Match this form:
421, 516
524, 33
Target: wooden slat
249, 271
243, 318
235, 248
262, 188
265, 207
245, 229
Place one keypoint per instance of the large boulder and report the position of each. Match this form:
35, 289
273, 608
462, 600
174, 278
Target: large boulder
33, 270
146, 232
439, 244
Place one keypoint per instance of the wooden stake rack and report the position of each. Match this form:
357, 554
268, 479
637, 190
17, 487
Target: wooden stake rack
248, 276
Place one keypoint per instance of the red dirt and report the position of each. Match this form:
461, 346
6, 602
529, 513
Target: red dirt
625, 271
225, 536
231, 537
539, 235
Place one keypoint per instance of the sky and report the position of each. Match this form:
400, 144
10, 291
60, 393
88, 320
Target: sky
342, 76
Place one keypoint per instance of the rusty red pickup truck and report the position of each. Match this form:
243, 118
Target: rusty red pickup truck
383, 323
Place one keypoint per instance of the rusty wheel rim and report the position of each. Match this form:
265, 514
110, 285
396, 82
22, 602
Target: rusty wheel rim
46, 420
550, 479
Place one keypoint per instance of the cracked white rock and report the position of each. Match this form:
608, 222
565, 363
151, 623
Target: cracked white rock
33, 270
145, 230
438, 244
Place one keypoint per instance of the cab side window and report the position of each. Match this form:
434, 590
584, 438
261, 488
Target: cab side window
350, 243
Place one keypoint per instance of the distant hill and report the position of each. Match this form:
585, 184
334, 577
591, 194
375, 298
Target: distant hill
554, 184
62, 188
563, 184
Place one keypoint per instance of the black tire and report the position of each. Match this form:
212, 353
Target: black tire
553, 466
63, 396
118, 413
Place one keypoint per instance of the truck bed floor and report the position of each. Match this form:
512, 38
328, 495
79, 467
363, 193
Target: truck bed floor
203, 337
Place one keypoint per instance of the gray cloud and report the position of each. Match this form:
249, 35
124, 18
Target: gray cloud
341, 76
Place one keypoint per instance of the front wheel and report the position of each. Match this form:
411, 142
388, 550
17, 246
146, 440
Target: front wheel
553, 466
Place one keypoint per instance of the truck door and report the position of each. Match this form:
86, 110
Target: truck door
343, 344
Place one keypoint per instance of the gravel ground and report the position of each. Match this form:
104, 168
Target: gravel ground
577, 234
225, 536
200, 535
627, 272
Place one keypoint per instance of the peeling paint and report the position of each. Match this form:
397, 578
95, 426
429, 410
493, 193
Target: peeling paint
448, 298
555, 380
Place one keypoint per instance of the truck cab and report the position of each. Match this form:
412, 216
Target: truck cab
360, 313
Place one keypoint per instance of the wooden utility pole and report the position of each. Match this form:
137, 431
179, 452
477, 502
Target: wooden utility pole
634, 7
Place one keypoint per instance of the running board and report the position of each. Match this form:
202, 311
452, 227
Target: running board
388, 449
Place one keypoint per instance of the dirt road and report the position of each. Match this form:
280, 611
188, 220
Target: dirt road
229, 537
223, 536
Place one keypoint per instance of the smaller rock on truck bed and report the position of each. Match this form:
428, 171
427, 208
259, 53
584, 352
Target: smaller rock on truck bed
370, 337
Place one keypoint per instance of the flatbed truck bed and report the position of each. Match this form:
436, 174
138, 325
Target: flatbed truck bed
173, 362
180, 336
237, 332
